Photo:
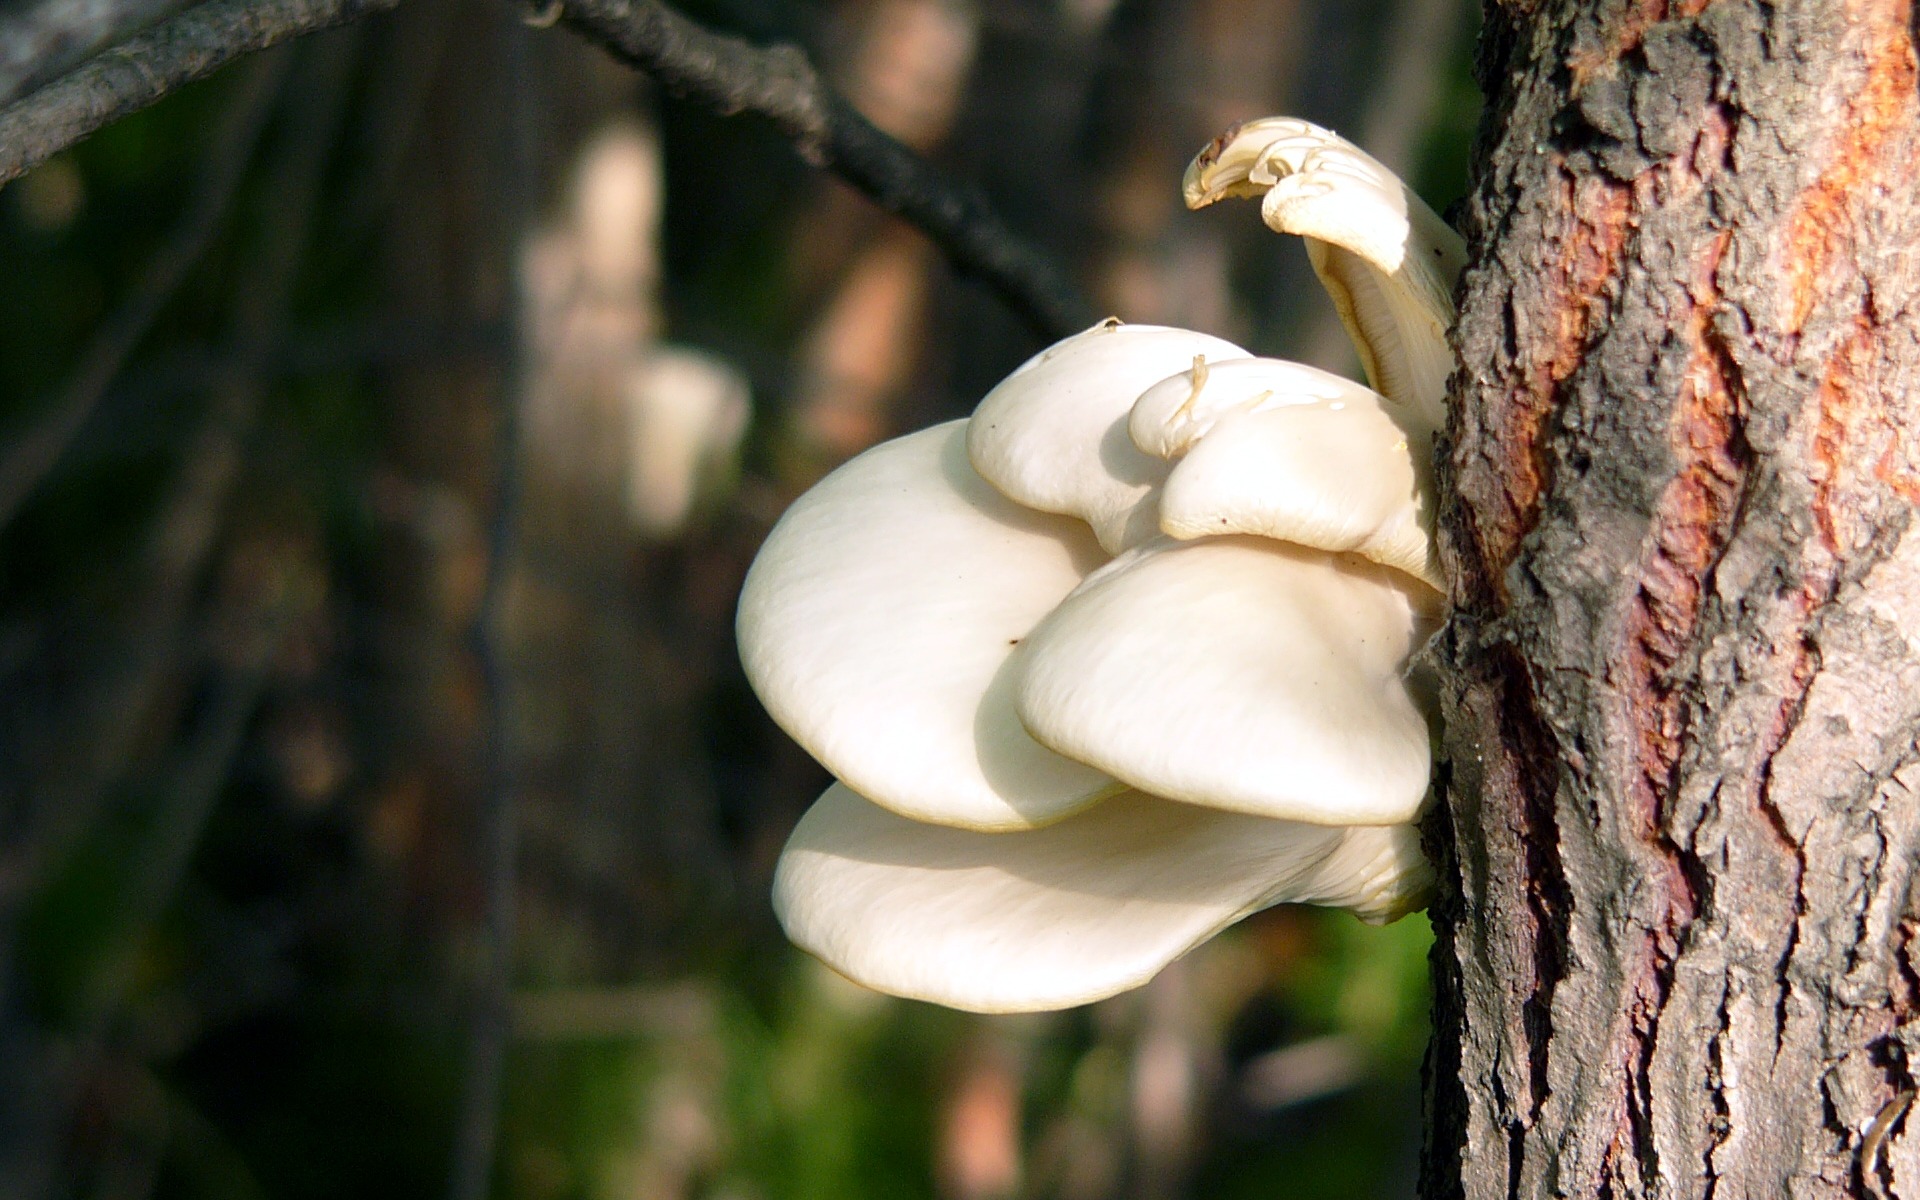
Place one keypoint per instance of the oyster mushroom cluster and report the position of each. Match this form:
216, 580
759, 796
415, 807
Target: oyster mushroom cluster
1123, 657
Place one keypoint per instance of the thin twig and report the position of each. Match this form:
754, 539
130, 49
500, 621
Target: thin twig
28, 459
778, 82
478, 1133
183, 533
142, 69
727, 73
1876, 1136
44, 41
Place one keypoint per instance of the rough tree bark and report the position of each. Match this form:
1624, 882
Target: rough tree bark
1683, 679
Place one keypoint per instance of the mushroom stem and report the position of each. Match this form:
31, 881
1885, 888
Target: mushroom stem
1387, 259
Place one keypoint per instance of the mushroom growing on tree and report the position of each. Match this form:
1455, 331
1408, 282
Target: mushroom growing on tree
1123, 657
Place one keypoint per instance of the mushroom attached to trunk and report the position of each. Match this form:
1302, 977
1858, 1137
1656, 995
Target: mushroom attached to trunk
1058, 773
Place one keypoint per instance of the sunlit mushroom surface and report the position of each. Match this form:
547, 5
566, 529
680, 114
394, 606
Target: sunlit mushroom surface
1123, 657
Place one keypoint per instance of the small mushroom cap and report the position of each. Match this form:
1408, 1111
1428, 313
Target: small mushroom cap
1387, 259
1338, 475
1053, 435
1294, 167
876, 625
1238, 673
1177, 412
1080, 910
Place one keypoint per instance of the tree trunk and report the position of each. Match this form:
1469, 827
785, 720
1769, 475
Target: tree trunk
1683, 677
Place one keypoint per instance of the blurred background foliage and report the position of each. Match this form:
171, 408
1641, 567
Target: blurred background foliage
387, 423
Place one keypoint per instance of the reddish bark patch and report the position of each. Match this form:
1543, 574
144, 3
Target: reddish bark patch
1858, 440
1858, 171
1576, 301
1688, 531
1840, 403
1896, 468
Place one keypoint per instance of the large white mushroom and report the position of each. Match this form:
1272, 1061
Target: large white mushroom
1057, 776
1014, 922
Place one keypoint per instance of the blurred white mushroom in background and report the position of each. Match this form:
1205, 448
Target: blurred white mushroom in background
619, 419
614, 217
624, 446
1124, 657
686, 413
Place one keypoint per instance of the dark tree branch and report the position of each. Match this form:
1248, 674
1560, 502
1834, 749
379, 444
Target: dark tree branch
779, 83
50, 38
731, 75
140, 71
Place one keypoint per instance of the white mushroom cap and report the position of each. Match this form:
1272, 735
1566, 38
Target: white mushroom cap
1239, 673
1387, 259
1049, 918
876, 625
1339, 475
1172, 415
1290, 165
1053, 434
